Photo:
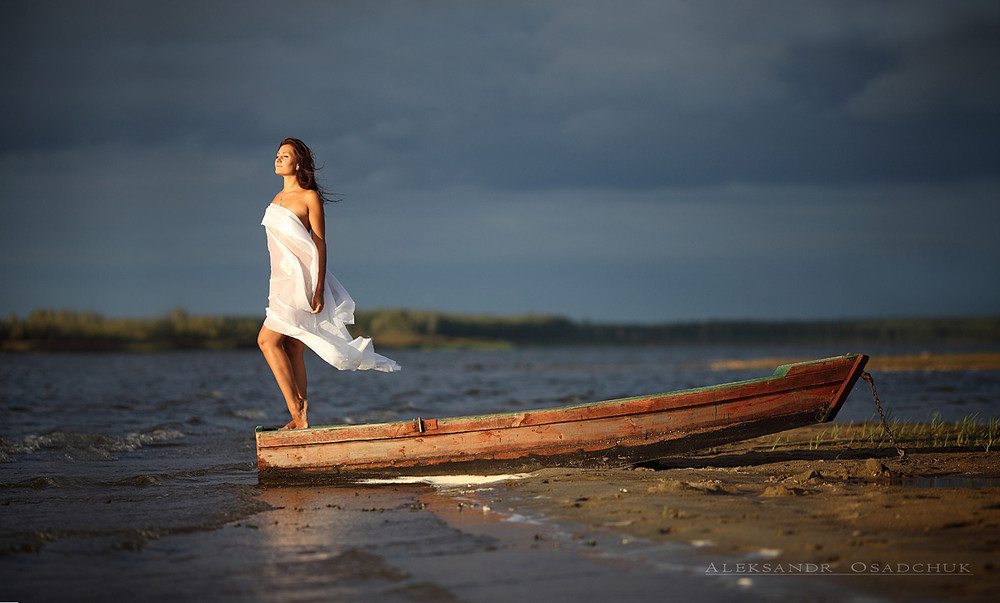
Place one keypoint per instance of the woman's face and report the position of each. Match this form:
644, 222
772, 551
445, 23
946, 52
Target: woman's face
285, 161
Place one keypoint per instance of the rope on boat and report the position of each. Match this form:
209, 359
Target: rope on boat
885, 424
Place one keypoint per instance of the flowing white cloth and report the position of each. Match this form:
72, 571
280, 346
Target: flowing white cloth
294, 269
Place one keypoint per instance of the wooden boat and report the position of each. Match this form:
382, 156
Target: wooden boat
607, 434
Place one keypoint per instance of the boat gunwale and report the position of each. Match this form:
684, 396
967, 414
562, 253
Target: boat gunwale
313, 436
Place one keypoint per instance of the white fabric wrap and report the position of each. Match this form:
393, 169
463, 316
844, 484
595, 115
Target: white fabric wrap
294, 270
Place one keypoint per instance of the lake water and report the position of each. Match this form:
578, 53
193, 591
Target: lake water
134, 474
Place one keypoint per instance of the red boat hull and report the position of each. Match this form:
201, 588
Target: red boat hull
608, 434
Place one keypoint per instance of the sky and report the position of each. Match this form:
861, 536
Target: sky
608, 161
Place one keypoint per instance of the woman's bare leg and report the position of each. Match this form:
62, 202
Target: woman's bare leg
272, 344
295, 350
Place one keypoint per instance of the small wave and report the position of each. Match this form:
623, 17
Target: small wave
249, 413
157, 436
86, 446
32, 541
19, 445
139, 481
37, 483
63, 481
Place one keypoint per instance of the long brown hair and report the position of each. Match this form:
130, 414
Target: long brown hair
306, 173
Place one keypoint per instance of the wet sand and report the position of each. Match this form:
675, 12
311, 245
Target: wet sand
453, 546
831, 507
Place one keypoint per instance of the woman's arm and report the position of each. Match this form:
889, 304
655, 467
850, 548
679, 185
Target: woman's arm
317, 226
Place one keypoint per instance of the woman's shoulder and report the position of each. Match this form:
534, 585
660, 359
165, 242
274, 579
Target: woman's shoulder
303, 195
312, 200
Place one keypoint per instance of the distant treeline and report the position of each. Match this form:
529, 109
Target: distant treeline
68, 330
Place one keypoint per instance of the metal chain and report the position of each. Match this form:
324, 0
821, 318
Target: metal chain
885, 424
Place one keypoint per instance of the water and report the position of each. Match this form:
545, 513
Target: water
126, 473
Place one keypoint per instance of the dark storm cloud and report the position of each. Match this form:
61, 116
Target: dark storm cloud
657, 155
527, 95
92, 73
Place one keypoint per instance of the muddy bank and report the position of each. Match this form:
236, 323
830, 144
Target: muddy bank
841, 509
970, 361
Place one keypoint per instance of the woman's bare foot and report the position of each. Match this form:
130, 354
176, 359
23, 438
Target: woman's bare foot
301, 421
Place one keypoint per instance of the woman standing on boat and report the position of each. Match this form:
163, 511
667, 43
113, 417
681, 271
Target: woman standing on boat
306, 305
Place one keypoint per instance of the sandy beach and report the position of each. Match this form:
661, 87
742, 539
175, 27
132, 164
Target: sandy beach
829, 513
837, 509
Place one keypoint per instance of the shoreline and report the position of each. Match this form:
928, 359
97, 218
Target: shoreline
925, 361
842, 510
68, 330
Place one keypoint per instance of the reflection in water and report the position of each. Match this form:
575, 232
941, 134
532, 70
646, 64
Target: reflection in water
329, 542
